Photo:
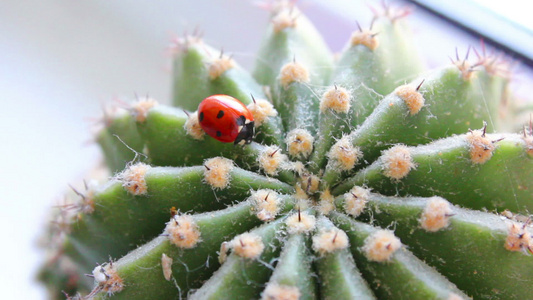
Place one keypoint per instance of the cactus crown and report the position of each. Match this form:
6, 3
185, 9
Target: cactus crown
355, 186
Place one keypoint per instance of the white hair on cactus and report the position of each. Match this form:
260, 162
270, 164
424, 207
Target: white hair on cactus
218, 172
381, 245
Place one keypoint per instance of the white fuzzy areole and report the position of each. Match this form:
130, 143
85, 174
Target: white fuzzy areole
293, 72
275, 291
261, 109
219, 66
355, 200
328, 241
326, 203
436, 214
338, 99
272, 160
381, 245
518, 238
310, 183
141, 107
193, 128
481, 147
217, 172
412, 98
299, 142
247, 245
365, 38
284, 19
397, 162
343, 155
107, 279
266, 204
300, 222
133, 178
183, 232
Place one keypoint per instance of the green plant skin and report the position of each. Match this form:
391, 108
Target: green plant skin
331, 126
402, 277
472, 247
141, 269
242, 278
237, 83
100, 234
495, 87
270, 132
444, 168
294, 267
339, 276
449, 99
299, 108
168, 143
302, 44
370, 75
191, 70
117, 155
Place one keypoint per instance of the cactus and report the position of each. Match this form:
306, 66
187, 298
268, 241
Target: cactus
364, 180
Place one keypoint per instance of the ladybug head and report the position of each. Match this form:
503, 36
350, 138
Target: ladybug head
247, 132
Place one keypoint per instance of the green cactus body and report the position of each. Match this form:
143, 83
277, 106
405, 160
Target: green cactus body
116, 206
293, 273
345, 191
165, 134
447, 97
191, 69
243, 270
372, 67
395, 273
190, 265
119, 134
340, 278
450, 248
291, 38
447, 167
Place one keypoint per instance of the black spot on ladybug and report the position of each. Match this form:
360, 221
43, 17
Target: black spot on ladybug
241, 120
219, 134
201, 116
220, 114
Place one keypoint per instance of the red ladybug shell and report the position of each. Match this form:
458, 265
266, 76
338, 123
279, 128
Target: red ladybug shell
226, 119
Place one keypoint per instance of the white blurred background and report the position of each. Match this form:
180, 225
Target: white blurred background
61, 59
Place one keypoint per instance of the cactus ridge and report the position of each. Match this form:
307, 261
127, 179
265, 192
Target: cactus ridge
364, 180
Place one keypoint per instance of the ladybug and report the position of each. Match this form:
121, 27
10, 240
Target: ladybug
226, 119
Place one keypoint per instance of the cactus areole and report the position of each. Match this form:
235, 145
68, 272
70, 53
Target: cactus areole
359, 178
